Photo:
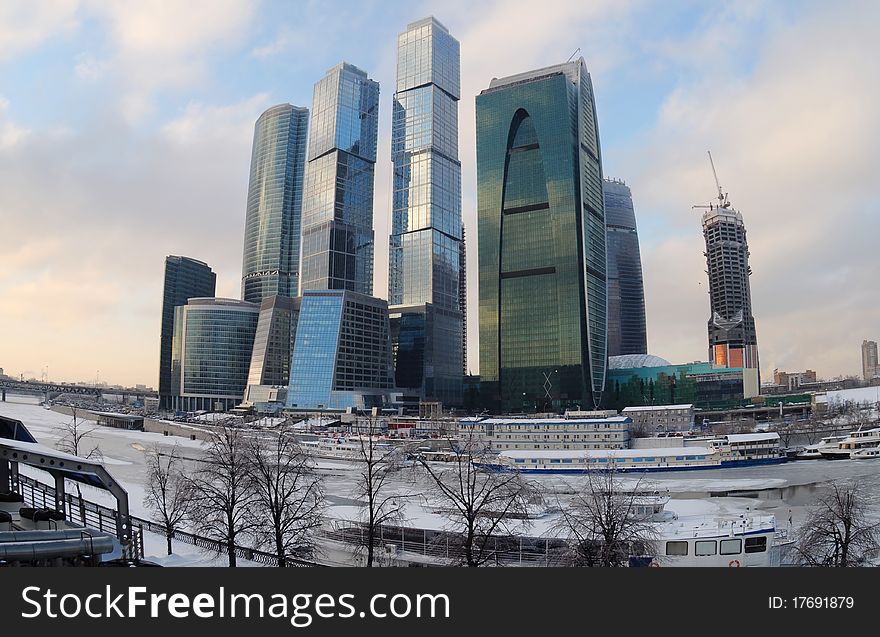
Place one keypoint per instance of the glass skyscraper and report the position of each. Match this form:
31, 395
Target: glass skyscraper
273, 343
425, 245
274, 205
185, 278
211, 353
337, 220
627, 329
543, 301
342, 352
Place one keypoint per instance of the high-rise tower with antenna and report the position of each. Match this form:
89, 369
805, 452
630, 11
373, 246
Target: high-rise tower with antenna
733, 342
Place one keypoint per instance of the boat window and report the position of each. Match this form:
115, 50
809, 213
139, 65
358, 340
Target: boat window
705, 547
519, 460
676, 548
756, 544
731, 547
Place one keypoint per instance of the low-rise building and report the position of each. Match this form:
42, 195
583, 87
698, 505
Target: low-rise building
501, 434
653, 418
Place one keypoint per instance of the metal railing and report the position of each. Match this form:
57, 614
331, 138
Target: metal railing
90, 514
448, 546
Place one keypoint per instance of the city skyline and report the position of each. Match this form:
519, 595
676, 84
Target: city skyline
171, 153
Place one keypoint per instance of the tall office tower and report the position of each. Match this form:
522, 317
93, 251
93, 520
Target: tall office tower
274, 205
733, 341
543, 299
273, 343
627, 330
870, 364
211, 353
185, 278
462, 301
337, 220
342, 353
425, 245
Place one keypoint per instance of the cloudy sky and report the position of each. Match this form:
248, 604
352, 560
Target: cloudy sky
125, 131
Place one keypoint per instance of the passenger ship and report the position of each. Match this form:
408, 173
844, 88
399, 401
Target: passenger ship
344, 448
859, 439
706, 453
727, 540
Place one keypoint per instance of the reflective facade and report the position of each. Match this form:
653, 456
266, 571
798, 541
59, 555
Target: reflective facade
337, 221
273, 343
542, 239
733, 341
274, 205
185, 278
342, 352
627, 329
425, 243
211, 353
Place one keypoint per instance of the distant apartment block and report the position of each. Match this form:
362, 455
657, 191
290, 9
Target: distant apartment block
791, 381
869, 360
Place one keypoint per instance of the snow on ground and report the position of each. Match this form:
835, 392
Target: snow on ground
795, 481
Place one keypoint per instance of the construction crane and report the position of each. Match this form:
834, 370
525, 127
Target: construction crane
723, 202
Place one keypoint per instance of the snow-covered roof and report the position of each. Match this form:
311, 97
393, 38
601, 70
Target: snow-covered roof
546, 421
659, 407
608, 453
752, 437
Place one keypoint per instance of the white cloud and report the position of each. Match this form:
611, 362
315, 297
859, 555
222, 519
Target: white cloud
161, 44
796, 143
200, 122
10, 134
25, 24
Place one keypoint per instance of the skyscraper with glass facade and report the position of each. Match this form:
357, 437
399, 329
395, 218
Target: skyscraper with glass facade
337, 219
274, 205
185, 278
211, 353
543, 301
342, 352
425, 245
627, 329
273, 343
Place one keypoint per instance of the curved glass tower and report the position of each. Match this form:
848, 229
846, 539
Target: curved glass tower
543, 299
272, 230
211, 353
627, 330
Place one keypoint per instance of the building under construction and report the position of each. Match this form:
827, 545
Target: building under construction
733, 342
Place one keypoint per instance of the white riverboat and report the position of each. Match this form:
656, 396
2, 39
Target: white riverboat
867, 453
732, 450
856, 440
726, 540
350, 448
814, 452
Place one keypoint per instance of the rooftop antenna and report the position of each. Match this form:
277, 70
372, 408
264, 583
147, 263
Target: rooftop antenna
573, 54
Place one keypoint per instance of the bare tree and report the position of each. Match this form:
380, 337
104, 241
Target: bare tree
378, 462
288, 499
73, 435
837, 531
484, 506
606, 521
223, 491
168, 492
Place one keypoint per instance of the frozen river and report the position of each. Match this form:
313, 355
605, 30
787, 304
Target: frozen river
785, 490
